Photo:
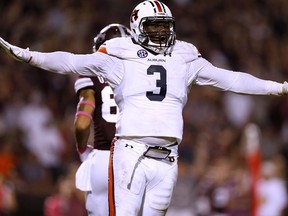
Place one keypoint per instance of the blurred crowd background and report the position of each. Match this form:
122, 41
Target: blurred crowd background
37, 146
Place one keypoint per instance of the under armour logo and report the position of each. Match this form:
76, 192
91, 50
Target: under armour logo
134, 15
130, 146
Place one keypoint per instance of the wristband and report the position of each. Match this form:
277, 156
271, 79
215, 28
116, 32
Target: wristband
84, 114
87, 103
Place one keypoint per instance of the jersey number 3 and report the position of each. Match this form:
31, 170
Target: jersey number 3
161, 83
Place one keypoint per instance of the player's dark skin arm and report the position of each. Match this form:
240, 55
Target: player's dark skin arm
82, 123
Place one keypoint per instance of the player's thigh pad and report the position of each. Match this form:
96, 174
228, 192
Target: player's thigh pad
160, 187
99, 172
129, 179
83, 174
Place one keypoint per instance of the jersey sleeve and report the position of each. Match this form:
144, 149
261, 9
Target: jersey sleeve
187, 50
189, 53
234, 81
83, 83
95, 64
121, 49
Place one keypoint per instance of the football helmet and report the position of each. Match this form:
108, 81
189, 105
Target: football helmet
153, 26
110, 31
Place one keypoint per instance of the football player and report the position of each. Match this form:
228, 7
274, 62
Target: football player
96, 106
151, 76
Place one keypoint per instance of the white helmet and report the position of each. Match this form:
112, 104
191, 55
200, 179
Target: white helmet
110, 31
153, 12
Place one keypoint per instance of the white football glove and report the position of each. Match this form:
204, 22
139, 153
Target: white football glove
84, 155
285, 88
23, 55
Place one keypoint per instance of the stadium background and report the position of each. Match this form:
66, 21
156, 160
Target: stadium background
37, 145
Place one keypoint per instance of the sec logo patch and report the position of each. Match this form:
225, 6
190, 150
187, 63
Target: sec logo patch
142, 53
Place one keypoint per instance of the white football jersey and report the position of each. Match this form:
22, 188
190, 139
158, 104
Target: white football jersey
153, 88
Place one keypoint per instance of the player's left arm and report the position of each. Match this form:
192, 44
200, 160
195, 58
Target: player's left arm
238, 82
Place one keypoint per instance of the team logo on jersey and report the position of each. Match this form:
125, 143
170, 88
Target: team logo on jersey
142, 53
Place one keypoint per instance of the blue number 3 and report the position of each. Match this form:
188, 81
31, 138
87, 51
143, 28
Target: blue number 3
161, 83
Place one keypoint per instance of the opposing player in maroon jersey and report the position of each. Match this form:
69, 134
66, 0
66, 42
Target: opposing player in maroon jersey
98, 109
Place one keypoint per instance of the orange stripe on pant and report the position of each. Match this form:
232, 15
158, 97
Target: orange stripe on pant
111, 201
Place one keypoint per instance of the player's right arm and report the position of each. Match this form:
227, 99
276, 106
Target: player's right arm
84, 117
83, 120
95, 64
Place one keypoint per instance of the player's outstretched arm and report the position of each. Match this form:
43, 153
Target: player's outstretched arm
17, 53
238, 82
57, 62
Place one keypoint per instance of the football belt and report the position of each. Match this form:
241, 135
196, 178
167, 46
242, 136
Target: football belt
157, 152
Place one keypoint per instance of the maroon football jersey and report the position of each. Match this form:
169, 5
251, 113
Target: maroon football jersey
105, 113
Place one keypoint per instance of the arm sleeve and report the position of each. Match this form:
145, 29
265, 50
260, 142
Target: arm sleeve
95, 64
62, 63
238, 82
